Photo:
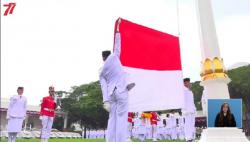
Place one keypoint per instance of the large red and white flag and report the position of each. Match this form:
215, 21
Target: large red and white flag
152, 60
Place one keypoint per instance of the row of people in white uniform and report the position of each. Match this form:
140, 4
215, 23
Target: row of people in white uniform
95, 134
168, 128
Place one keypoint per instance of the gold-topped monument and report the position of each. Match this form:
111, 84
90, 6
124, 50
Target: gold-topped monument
213, 73
213, 69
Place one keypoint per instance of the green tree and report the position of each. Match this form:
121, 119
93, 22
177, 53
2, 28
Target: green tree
58, 123
197, 90
239, 87
84, 105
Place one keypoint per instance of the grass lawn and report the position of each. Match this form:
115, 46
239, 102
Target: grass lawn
75, 140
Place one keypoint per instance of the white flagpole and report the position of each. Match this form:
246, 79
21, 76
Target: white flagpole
178, 17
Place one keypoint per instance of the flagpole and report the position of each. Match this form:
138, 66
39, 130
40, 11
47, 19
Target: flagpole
178, 17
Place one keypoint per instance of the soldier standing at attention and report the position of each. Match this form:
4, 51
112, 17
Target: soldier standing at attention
47, 113
189, 111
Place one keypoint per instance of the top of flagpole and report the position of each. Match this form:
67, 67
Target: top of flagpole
178, 17
118, 24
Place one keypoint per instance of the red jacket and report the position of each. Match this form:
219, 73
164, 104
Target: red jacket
153, 119
130, 117
48, 107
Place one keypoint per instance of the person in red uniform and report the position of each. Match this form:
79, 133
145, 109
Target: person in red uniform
47, 114
153, 121
130, 125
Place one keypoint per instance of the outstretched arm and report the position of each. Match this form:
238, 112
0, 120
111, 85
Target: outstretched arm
117, 47
104, 88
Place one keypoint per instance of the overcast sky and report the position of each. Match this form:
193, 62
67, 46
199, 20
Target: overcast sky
59, 42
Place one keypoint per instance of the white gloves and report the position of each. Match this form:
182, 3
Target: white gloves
41, 117
130, 86
106, 106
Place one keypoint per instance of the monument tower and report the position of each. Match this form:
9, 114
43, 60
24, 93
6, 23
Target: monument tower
214, 76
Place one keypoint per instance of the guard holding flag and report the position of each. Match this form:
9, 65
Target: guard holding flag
115, 92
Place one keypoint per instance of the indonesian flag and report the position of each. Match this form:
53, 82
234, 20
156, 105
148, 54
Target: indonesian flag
152, 60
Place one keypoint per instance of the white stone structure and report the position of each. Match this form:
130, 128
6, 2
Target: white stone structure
214, 78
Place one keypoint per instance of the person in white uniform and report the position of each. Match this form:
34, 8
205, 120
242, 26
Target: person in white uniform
204, 102
137, 122
115, 92
16, 113
173, 125
189, 111
142, 130
161, 128
168, 129
180, 128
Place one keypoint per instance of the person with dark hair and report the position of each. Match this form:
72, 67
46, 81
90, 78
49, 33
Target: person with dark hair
189, 111
115, 92
16, 113
180, 129
154, 121
225, 118
47, 114
130, 124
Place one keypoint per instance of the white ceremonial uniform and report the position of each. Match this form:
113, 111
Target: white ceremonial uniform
180, 129
173, 125
161, 130
137, 122
189, 114
97, 134
114, 90
148, 129
16, 113
168, 129
87, 134
91, 134
204, 102
142, 130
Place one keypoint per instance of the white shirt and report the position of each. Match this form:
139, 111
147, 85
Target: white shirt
17, 107
112, 75
189, 106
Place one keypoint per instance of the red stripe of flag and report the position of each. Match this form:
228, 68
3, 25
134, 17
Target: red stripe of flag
149, 49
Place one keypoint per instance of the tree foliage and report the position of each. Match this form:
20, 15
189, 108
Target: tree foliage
84, 105
239, 87
197, 91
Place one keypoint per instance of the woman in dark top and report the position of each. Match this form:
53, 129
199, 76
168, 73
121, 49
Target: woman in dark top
225, 118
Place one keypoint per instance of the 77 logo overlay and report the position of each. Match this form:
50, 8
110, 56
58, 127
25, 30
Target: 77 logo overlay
10, 8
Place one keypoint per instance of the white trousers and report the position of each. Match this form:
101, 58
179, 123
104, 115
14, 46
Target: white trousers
154, 131
130, 127
173, 133
47, 123
118, 117
142, 137
189, 126
12, 136
180, 132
